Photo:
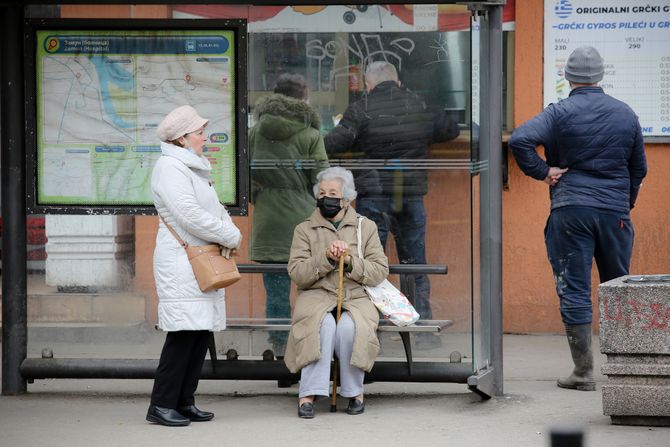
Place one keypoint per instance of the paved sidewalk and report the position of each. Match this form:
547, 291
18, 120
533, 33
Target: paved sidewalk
103, 413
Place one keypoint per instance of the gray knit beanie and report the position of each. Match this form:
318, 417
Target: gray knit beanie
584, 66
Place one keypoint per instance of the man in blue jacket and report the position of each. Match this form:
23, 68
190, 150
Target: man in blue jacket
594, 167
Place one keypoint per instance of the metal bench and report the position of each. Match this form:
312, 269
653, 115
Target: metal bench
278, 324
270, 368
406, 272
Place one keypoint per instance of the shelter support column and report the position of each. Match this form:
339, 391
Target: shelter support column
488, 381
494, 142
12, 128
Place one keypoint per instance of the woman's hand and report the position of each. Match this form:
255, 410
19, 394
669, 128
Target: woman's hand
337, 249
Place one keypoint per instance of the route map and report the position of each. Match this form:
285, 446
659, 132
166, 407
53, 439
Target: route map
101, 96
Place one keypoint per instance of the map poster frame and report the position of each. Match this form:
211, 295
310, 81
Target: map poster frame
226, 149
633, 42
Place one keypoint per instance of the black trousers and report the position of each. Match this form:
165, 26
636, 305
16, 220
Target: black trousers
179, 368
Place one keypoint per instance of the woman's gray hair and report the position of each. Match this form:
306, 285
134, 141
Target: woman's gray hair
345, 177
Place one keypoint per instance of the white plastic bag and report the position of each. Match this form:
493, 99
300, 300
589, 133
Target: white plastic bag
391, 302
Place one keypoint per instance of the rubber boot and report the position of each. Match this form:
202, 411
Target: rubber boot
579, 339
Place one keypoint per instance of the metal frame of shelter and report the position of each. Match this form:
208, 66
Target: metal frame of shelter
487, 381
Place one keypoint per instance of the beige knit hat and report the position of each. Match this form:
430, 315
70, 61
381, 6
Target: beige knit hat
179, 122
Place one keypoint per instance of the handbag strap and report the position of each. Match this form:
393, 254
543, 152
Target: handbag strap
174, 233
225, 251
358, 237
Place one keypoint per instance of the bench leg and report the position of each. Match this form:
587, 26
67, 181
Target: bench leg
404, 336
408, 287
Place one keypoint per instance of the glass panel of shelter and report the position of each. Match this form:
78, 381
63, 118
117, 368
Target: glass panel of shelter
435, 65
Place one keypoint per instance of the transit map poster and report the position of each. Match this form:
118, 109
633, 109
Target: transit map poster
634, 40
101, 96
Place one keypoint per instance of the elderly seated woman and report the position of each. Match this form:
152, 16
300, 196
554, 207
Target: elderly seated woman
318, 243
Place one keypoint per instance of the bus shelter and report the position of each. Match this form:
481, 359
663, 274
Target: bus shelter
83, 89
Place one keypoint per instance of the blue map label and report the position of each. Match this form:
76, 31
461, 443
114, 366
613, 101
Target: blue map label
58, 44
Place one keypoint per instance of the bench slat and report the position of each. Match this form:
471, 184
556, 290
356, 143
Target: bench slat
284, 325
419, 326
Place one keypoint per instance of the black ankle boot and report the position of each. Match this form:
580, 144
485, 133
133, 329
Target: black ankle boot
166, 416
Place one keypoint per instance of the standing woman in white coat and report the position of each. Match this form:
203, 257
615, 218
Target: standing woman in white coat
186, 201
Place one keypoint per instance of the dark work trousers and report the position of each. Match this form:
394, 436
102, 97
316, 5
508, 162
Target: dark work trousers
179, 368
574, 236
406, 219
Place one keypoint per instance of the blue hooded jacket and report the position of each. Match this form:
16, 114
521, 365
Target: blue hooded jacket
598, 138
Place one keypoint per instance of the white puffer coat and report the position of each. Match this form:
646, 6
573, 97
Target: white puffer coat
184, 197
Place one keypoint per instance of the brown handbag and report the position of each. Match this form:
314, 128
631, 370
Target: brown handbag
213, 265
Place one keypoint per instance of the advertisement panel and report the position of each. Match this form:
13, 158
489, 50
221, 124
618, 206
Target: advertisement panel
345, 18
634, 41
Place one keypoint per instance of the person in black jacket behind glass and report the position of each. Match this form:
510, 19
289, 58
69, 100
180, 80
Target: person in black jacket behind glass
393, 123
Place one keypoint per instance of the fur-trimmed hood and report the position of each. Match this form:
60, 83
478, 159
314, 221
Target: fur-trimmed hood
280, 117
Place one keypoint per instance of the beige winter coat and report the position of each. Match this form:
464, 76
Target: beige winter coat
317, 279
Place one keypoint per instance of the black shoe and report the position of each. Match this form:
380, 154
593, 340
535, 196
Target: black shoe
194, 414
166, 416
306, 410
355, 406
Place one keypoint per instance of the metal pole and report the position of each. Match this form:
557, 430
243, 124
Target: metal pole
494, 137
490, 199
49, 368
12, 127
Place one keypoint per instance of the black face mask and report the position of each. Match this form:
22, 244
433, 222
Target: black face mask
329, 206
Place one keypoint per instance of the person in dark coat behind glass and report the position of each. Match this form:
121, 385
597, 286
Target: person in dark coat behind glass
288, 131
393, 123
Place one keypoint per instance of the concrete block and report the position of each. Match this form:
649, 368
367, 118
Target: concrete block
628, 399
637, 365
634, 317
635, 335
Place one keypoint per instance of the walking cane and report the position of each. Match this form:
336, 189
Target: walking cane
336, 366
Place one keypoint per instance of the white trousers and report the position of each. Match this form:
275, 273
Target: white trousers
338, 338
